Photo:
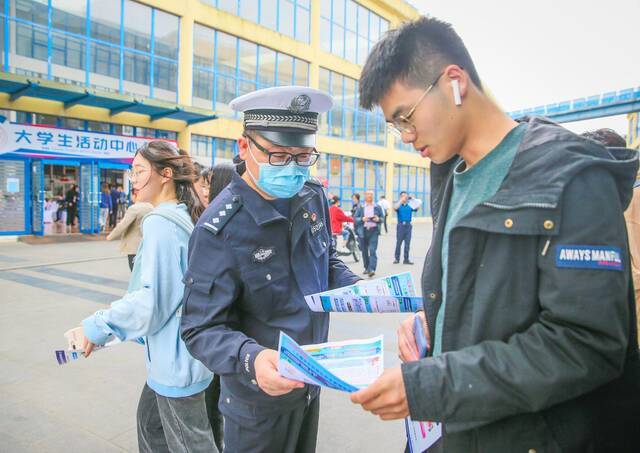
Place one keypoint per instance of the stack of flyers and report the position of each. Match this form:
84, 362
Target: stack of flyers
392, 294
75, 346
63, 356
341, 365
422, 435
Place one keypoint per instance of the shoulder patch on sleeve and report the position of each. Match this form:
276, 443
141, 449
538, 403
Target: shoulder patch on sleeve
222, 211
589, 257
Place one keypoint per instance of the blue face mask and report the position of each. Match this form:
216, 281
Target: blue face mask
280, 181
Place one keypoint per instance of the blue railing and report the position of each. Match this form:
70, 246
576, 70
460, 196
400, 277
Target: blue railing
601, 105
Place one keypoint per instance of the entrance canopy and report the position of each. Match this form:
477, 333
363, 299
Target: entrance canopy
18, 86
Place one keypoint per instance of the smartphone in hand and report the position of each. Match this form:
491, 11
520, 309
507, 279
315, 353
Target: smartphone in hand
421, 337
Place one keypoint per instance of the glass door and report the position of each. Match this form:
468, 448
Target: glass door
88, 206
37, 197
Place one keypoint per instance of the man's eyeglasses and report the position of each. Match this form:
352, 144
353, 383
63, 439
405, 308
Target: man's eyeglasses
282, 158
402, 123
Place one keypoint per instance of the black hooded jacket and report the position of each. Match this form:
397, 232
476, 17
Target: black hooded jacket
539, 340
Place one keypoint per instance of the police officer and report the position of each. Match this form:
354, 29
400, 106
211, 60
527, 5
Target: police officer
262, 245
404, 228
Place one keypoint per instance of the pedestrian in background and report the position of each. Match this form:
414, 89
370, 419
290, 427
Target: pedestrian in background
203, 183
61, 208
404, 228
115, 197
105, 206
128, 229
122, 203
385, 205
152, 307
338, 217
369, 216
220, 177
71, 203
355, 200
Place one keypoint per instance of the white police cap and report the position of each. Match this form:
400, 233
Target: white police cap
286, 116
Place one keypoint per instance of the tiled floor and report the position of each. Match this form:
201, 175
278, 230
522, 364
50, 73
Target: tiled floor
89, 405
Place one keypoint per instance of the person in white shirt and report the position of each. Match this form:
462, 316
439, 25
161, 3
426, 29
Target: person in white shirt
385, 205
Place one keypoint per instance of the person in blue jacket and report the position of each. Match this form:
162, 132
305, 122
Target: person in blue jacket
106, 206
260, 247
404, 228
171, 413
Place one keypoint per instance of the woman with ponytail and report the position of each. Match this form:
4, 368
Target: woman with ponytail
172, 415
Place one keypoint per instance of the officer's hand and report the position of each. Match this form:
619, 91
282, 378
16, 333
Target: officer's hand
386, 397
407, 347
269, 380
376, 218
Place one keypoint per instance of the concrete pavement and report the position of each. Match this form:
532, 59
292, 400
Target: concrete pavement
90, 404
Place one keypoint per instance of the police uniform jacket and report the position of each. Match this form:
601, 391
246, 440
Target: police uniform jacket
249, 268
539, 338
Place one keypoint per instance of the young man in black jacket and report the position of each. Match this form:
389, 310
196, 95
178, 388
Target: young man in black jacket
528, 300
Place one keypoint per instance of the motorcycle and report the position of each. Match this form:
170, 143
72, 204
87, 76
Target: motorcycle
352, 245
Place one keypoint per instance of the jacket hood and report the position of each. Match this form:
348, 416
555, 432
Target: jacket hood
550, 156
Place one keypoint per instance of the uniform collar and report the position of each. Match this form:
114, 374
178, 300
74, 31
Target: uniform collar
260, 209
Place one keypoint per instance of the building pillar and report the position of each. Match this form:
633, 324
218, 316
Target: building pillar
184, 139
185, 71
314, 67
389, 182
185, 58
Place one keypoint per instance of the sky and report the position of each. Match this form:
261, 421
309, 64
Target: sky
536, 53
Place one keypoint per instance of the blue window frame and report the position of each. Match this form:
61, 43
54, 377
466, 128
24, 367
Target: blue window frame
225, 66
346, 120
213, 150
345, 176
400, 145
120, 45
414, 181
289, 17
349, 30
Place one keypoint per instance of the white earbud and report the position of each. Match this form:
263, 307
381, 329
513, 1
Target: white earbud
455, 85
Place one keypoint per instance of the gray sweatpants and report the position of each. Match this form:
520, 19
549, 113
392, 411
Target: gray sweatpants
175, 425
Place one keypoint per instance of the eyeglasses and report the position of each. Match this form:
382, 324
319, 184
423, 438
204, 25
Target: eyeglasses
134, 175
402, 123
282, 158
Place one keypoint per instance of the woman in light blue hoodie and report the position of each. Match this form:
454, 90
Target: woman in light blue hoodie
171, 413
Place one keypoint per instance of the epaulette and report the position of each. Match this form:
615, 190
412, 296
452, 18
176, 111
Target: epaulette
224, 209
315, 181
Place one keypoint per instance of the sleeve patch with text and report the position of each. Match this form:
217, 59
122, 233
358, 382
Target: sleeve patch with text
589, 257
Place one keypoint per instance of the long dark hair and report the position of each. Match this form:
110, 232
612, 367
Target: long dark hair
164, 155
221, 175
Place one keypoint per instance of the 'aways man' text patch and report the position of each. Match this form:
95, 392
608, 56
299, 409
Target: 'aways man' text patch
589, 257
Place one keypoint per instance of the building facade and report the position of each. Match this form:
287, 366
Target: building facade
118, 71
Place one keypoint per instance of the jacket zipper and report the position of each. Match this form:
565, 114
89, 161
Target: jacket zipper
521, 205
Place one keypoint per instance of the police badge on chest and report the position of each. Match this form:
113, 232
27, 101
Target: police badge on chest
316, 225
263, 254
